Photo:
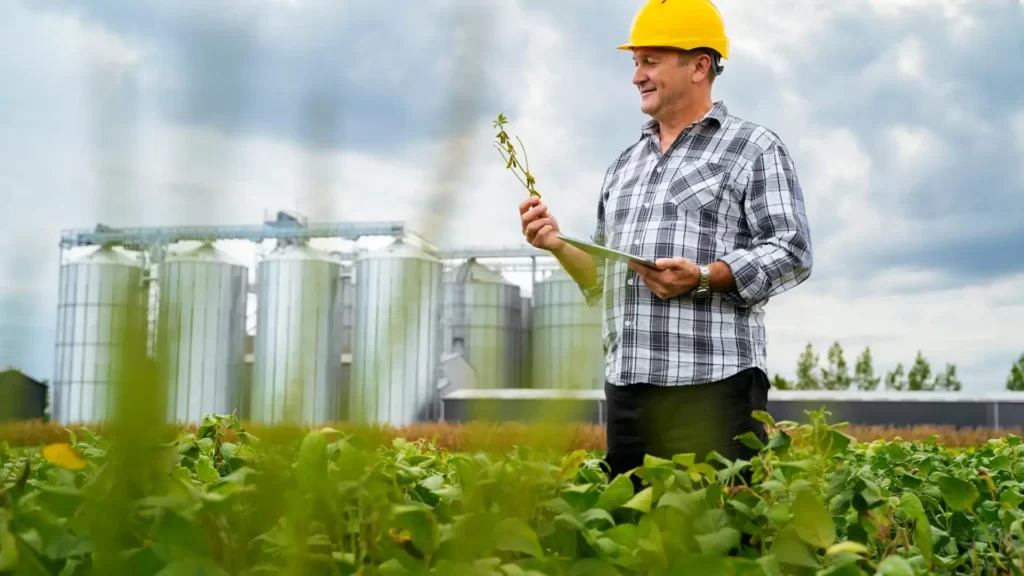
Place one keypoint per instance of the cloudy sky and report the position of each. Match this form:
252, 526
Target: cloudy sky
905, 118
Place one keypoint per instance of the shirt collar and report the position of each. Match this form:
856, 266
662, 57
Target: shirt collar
718, 113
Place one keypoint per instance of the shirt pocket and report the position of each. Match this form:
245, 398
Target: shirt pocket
695, 189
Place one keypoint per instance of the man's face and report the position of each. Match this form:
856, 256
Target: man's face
664, 82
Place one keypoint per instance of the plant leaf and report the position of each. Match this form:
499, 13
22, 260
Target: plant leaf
642, 501
720, 541
812, 521
959, 495
617, 494
895, 566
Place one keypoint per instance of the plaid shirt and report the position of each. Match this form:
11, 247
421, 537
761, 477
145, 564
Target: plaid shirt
726, 190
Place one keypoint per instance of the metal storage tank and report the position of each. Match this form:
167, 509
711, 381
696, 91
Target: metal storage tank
568, 347
482, 320
295, 370
201, 333
396, 343
102, 296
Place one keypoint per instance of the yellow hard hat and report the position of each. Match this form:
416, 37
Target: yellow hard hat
683, 24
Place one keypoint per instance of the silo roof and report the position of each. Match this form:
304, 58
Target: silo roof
300, 252
108, 255
399, 249
205, 253
473, 271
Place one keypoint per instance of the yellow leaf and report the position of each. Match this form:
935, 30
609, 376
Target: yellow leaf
848, 546
63, 455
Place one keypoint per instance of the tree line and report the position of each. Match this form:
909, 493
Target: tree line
835, 374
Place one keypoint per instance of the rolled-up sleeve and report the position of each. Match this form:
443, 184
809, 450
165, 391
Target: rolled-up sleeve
780, 255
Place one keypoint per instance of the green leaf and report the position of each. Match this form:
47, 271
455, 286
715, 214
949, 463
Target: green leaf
812, 521
729, 473
625, 535
206, 445
597, 515
895, 566
1000, 463
433, 483
779, 513
422, 526
311, 469
684, 460
192, 567
719, 542
8, 549
515, 535
393, 567
509, 569
959, 495
763, 417
703, 564
910, 506
842, 570
689, 503
205, 470
1011, 497
704, 469
593, 567
642, 501
750, 440
618, 493
655, 462
789, 549
780, 442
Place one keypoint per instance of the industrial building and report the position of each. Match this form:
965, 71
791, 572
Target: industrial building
399, 333
21, 397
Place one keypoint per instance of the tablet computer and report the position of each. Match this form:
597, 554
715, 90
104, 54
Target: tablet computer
598, 250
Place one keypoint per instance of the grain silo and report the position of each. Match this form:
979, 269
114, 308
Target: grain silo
568, 349
295, 369
101, 311
201, 333
482, 320
396, 339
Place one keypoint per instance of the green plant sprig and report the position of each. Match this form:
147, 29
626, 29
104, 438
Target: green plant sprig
508, 153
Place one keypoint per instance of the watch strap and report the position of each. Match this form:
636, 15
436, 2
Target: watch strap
703, 287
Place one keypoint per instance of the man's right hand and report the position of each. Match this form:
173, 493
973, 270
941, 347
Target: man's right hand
539, 226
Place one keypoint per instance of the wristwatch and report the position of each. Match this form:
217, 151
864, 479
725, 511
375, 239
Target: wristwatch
704, 287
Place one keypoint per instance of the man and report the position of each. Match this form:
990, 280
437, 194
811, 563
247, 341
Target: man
716, 202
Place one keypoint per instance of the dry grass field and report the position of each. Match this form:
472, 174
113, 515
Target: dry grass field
481, 436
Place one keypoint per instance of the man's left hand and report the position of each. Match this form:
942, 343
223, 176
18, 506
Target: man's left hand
674, 276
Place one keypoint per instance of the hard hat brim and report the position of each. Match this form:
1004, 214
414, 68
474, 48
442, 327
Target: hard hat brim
719, 45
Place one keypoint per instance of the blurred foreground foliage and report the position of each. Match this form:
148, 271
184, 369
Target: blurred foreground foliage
221, 499
491, 437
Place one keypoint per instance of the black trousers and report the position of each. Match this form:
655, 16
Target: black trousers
667, 420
